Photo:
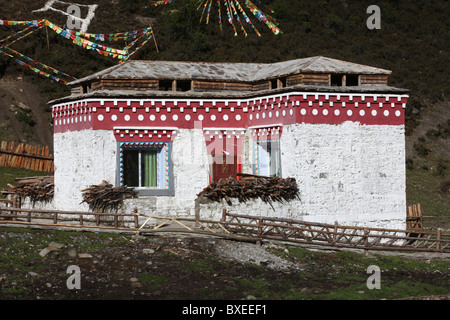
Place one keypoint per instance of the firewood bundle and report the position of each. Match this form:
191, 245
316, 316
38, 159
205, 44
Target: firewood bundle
38, 189
268, 189
105, 197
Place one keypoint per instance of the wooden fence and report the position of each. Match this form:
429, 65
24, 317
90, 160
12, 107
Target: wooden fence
335, 235
26, 156
238, 227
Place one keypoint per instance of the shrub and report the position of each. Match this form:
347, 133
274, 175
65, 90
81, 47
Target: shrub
25, 118
421, 149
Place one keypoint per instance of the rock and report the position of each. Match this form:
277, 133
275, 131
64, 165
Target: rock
46, 251
33, 274
24, 107
250, 297
148, 251
84, 256
56, 245
133, 279
72, 253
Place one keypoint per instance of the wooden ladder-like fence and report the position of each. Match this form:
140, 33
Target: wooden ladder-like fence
26, 156
238, 227
335, 235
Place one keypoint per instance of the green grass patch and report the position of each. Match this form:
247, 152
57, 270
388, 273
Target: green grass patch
154, 280
423, 187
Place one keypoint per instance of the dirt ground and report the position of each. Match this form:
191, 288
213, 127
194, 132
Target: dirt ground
34, 265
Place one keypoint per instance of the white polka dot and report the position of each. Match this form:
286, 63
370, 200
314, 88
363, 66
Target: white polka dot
114, 117
349, 113
337, 112
315, 112
325, 112
238, 117
90, 118
175, 117
398, 113
200, 117
163, 118
270, 114
64, 121
213, 117
187, 117
374, 112
264, 115
225, 117
362, 113
291, 112
251, 117
277, 114
386, 113
141, 117
257, 116
303, 111
152, 117
127, 117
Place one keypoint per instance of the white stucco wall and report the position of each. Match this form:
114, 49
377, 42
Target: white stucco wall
350, 173
82, 158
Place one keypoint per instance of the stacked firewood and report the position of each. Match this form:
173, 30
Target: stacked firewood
38, 189
268, 189
105, 197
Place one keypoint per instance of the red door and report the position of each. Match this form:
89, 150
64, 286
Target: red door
224, 166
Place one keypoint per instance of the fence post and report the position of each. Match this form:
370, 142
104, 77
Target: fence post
260, 229
335, 231
136, 218
438, 242
366, 242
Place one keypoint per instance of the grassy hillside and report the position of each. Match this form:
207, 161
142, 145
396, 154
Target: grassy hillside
412, 42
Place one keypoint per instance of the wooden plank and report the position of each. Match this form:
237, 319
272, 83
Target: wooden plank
367, 79
3, 147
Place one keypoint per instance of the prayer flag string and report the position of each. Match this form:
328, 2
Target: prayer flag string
236, 12
81, 39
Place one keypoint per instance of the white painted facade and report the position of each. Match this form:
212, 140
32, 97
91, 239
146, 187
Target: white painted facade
350, 173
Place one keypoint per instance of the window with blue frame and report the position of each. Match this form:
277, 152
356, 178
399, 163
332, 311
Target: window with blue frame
267, 158
147, 167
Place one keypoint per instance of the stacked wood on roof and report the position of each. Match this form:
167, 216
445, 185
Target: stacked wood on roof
250, 187
37, 189
105, 197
